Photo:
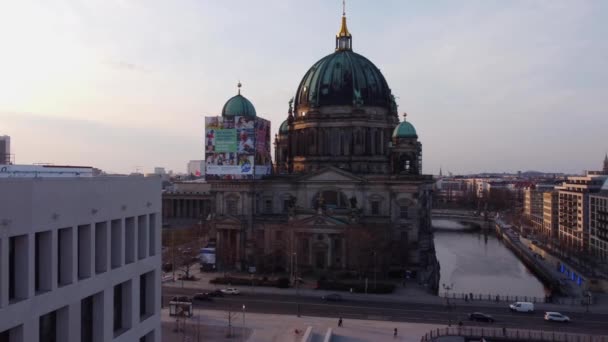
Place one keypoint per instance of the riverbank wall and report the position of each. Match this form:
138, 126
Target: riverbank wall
511, 240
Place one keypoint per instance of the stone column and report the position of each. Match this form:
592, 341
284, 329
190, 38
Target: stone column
343, 245
310, 251
329, 252
238, 247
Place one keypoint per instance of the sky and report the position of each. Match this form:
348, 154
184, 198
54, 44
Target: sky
124, 85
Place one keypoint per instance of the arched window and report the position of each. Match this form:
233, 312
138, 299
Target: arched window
330, 199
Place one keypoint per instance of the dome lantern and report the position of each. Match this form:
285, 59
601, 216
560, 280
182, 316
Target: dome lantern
344, 40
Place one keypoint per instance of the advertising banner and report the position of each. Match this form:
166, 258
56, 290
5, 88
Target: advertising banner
237, 147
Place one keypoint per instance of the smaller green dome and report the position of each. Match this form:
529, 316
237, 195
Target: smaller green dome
405, 130
284, 128
238, 106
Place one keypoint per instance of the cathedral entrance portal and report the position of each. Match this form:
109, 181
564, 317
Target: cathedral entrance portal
320, 259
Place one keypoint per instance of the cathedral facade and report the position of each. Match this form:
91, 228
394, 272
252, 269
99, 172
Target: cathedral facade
346, 191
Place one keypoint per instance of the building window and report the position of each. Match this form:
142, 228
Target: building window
101, 247
18, 267
404, 212
84, 251
64, 256
152, 234
375, 208
279, 235
286, 205
42, 262
142, 237
86, 319
122, 307
48, 327
146, 295
129, 240
14, 334
231, 207
268, 206
116, 243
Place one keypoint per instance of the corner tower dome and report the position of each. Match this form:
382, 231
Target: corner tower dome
405, 130
343, 78
238, 106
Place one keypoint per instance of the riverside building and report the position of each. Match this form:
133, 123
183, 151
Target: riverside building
80, 259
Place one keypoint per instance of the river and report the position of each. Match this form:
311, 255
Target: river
479, 263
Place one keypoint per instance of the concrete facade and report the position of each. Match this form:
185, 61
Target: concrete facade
80, 259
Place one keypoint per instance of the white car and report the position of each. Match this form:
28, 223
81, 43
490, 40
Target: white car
556, 317
230, 290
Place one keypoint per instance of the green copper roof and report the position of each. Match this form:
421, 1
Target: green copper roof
238, 106
405, 130
343, 78
284, 129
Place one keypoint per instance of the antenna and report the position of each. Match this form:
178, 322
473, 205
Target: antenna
343, 8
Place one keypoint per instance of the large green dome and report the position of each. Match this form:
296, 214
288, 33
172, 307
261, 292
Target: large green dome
405, 130
238, 106
343, 78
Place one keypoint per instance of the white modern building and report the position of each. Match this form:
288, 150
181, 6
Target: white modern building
80, 259
45, 171
196, 168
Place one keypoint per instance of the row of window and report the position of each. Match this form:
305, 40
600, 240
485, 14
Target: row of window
99, 247
54, 326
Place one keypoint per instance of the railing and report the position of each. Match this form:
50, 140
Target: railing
511, 335
506, 298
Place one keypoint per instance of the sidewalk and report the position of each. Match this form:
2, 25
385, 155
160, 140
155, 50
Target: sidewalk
279, 328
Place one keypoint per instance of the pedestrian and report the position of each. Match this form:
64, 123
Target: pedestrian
395, 333
504, 331
340, 322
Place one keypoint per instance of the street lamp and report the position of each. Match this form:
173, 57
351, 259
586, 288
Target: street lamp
243, 332
296, 280
447, 289
375, 276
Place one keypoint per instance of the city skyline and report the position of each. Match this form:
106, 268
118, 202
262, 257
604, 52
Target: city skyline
489, 86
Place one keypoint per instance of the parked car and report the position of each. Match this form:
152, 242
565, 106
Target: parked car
481, 317
522, 307
553, 316
333, 297
202, 296
231, 291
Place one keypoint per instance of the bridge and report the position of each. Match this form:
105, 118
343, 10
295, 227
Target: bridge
459, 216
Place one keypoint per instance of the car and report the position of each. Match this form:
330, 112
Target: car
553, 316
522, 307
216, 293
230, 290
202, 296
333, 297
481, 317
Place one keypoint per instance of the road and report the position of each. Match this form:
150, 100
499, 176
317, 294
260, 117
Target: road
590, 323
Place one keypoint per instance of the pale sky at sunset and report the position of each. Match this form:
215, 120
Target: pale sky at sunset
489, 85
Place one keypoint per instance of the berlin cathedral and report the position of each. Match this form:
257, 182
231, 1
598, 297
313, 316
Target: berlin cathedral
346, 191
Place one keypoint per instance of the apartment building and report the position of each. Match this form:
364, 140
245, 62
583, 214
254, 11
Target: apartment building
598, 223
550, 228
573, 197
534, 204
80, 259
